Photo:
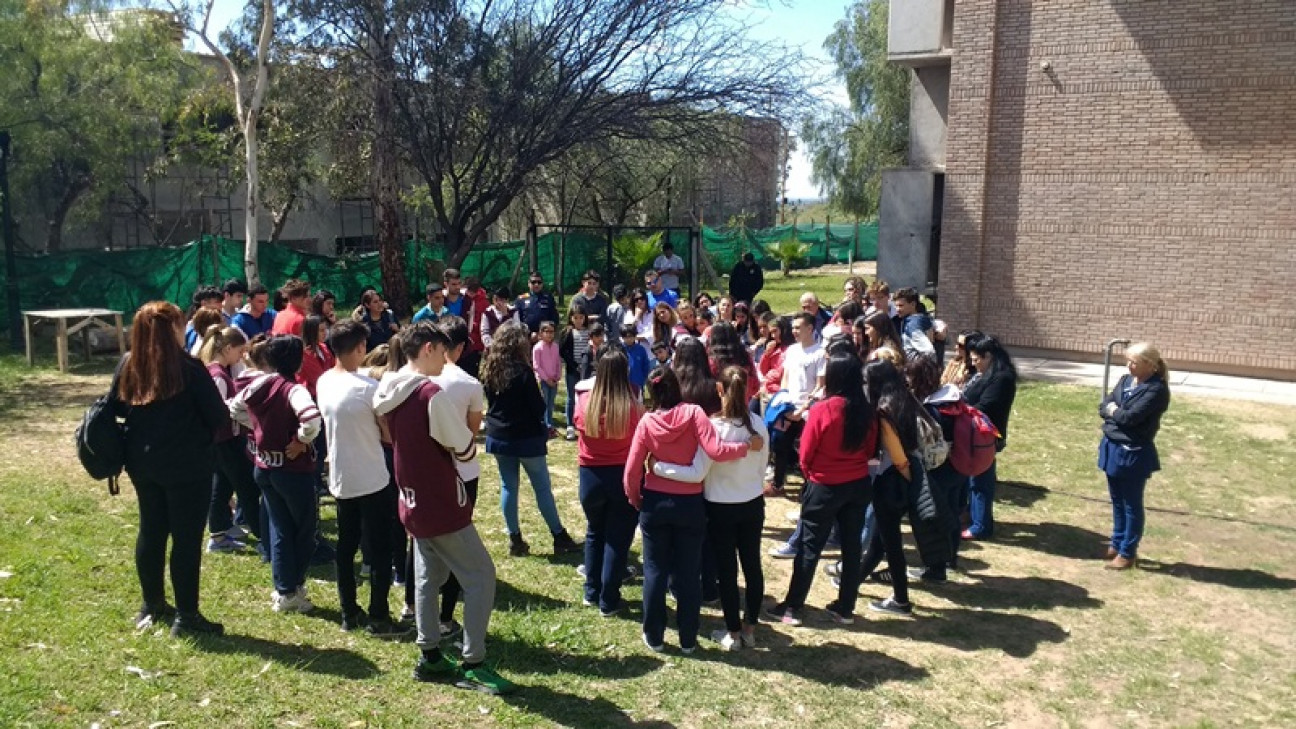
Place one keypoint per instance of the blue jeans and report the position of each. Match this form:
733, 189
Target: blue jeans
537, 470
981, 502
290, 502
1127, 513
550, 394
571, 378
673, 527
610, 527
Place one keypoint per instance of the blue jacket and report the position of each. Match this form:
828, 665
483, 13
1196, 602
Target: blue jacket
537, 308
254, 325
640, 365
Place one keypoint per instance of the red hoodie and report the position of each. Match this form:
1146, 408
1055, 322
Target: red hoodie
823, 460
480, 303
770, 368
596, 452
673, 436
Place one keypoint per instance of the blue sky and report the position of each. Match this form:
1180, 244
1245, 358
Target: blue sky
799, 23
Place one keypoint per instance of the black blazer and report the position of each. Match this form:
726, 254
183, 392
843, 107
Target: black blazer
1138, 418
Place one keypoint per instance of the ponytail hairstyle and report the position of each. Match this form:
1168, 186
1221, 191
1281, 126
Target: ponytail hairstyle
255, 354
734, 403
1146, 352
610, 404
376, 360
154, 368
663, 388
217, 339
1000, 361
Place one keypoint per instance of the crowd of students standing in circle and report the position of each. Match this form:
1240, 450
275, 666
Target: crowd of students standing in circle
688, 418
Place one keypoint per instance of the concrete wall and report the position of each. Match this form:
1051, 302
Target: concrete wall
928, 108
1143, 186
905, 227
914, 27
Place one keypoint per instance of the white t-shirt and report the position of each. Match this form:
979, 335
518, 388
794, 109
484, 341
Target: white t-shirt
465, 392
669, 280
356, 463
802, 368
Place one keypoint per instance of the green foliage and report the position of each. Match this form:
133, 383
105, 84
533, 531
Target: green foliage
849, 148
81, 109
635, 254
789, 252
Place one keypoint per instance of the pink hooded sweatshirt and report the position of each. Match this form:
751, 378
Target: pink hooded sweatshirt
673, 436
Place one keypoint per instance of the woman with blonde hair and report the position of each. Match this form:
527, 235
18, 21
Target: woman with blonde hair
223, 348
606, 417
173, 414
1131, 415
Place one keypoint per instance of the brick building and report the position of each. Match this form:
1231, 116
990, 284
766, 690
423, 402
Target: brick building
1083, 170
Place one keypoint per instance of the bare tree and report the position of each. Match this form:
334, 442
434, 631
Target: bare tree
249, 101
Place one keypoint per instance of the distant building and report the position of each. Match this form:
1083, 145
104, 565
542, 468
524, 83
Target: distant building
1095, 169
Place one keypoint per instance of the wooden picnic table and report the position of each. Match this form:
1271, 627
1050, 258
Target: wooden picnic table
73, 321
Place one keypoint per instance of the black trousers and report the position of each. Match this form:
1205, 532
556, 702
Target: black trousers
451, 590
234, 477
888, 508
367, 517
734, 533
822, 508
783, 444
175, 510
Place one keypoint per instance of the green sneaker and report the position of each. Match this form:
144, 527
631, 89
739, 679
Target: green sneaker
442, 669
483, 678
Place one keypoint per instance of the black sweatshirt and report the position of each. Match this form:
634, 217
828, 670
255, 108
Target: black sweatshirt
171, 440
993, 394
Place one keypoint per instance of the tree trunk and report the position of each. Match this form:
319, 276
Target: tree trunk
252, 146
54, 239
279, 219
386, 172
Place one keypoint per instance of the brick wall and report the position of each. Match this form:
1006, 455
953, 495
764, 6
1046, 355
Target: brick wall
1144, 187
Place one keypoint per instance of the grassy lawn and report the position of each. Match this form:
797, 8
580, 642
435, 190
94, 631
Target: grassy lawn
1034, 634
784, 292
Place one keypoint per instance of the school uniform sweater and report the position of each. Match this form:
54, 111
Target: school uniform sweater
823, 459
278, 411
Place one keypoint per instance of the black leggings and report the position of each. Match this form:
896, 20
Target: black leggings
177, 511
369, 517
734, 535
888, 508
234, 477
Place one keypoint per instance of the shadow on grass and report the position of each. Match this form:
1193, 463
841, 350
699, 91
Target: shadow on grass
330, 661
566, 709
1242, 579
973, 630
831, 664
1061, 540
1020, 493
514, 599
1024, 593
517, 655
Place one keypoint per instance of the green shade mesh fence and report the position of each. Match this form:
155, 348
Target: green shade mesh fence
123, 280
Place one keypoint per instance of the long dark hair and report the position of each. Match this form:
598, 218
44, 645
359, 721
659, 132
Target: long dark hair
784, 326
923, 375
891, 397
693, 370
727, 349
154, 368
844, 377
663, 388
881, 323
1000, 362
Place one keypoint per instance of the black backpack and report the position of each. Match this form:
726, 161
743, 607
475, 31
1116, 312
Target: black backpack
101, 442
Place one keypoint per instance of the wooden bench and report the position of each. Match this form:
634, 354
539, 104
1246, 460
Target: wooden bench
68, 322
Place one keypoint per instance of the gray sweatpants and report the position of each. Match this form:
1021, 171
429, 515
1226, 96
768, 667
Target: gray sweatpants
462, 553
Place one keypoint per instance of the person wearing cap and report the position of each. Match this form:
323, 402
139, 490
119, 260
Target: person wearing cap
669, 266
746, 279
435, 307
537, 306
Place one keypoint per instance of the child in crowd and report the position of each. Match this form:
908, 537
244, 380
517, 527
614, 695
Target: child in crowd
597, 338
573, 346
548, 369
222, 349
661, 352
637, 356
358, 479
428, 436
616, 311
284, 422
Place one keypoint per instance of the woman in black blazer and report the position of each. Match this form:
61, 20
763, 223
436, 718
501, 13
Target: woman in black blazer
992, 391
1131, 415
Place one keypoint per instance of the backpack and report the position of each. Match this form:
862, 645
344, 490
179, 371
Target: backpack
101, 442
973, 450
932, 446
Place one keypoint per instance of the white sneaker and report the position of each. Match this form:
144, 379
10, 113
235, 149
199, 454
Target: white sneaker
297, 602
727, 641
571, 433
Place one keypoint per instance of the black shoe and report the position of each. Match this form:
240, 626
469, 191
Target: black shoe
194, 624
891, 607
880, 576
517, 546
929, 575
564, 544
150, 615
385, 628
353, 620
